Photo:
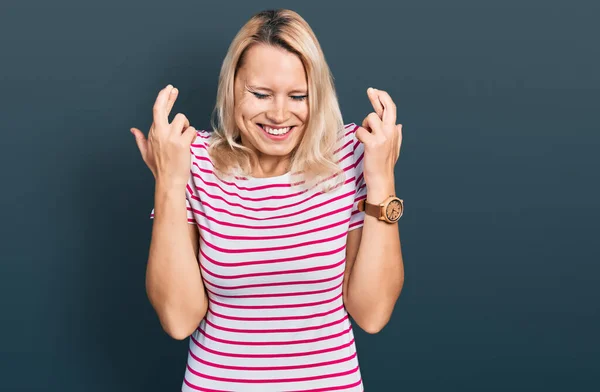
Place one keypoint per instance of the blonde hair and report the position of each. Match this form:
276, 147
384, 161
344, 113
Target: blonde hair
314, 158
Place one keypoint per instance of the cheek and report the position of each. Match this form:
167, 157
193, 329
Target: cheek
250, 109
301, 111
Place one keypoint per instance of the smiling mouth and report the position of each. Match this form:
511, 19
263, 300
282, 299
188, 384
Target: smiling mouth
276, 131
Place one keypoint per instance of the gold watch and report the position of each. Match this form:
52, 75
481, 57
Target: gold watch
390, 210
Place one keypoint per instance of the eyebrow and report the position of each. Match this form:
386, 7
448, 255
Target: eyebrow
301, 91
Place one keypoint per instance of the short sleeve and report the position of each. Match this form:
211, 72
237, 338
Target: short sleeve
357, 218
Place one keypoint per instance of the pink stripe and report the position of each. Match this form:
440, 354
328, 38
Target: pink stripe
273, 237
336, 388
352, 131
278, 306
274, 248
360, 179
275, 343
271, 380
211, 172
271, 368
197, 388
201, 158
280, 318
276, 295
270, 261
281, 355
222, 223
357, 223
261, 187
288, 330
343, 147
203, 134
346, 156
328, 201
273, 284
258, 209
360, 158
359, 198
243, 188
271, 273
271, 197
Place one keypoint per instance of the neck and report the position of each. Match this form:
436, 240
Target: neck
267, 165
270, 166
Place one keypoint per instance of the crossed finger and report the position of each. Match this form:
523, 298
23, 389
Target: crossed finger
374, 98
163, 105
172, 99
389, 108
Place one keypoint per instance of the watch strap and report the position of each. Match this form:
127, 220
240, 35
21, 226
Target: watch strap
370, 209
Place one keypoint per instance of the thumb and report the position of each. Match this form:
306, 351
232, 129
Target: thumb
363, 135
140, 140
190, 135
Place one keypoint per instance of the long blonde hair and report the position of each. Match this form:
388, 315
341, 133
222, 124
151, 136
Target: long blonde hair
315, 156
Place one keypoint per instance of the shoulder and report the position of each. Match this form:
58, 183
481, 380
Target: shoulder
349, 137
350, 128
200, 146
203, 137
202, 141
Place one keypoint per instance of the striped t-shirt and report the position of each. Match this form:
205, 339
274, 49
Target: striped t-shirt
272, 259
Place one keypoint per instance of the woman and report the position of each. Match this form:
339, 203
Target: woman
278, 252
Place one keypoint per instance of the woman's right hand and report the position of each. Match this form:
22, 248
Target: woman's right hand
166, 152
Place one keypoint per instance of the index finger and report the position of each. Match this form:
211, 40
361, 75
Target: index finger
159, 111
171, 100
389, 108
372, 94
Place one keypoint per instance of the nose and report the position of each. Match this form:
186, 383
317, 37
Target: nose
278, 112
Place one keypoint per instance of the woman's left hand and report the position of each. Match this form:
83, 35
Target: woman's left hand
382, 139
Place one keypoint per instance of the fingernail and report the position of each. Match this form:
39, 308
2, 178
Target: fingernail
174, 90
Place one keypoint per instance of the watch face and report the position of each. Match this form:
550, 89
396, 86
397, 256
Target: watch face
393, 210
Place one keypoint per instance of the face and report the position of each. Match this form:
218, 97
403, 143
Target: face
271, 102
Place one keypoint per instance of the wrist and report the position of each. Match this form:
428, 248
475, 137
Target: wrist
377, 193
167, 189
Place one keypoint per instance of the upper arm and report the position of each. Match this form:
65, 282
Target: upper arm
194, 235
352, 245
357, 217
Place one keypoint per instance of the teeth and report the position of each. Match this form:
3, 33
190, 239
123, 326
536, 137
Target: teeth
276, 131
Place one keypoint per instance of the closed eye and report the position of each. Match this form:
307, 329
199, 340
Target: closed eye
259, 95
265, 96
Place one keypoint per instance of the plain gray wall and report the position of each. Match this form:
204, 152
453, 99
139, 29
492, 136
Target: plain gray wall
498, 170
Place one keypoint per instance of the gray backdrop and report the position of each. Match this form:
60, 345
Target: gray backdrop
498, 169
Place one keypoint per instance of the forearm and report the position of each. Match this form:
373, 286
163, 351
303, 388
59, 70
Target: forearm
173, 281
377, 275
